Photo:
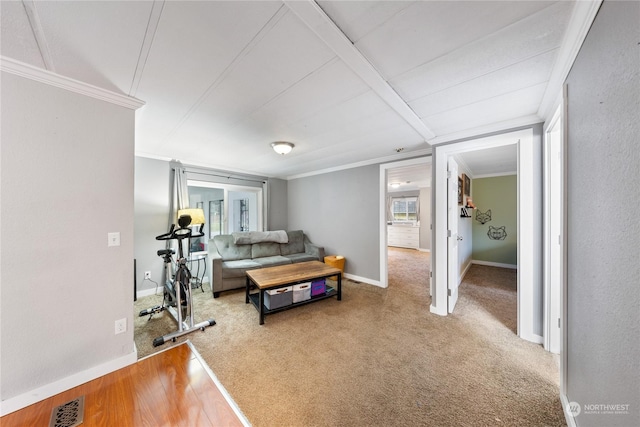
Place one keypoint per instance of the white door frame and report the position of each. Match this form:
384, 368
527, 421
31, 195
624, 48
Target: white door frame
529, 223
453, 270
384, 270
553, 231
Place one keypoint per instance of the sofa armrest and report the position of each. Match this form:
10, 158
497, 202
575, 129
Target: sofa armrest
315, 250
216, 269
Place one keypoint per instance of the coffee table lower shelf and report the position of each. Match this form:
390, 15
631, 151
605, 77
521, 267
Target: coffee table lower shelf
255, 300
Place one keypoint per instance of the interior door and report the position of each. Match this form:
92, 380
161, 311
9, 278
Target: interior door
452, 227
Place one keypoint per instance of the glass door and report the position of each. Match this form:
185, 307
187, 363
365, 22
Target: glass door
216, 210
228, 208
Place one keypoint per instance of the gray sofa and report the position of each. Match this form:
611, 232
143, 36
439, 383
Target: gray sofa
231, 255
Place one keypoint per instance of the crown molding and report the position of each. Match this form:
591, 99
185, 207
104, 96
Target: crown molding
21, 69
408, 155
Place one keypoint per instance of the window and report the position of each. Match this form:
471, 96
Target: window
405, 209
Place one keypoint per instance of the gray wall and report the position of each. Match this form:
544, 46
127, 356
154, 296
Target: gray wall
277, 217
603, 319
340, 211
66, 182
152, 192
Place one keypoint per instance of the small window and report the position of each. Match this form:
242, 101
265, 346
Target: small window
404, 209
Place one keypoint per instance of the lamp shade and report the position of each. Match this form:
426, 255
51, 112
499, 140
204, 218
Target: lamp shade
282, 147
197, 215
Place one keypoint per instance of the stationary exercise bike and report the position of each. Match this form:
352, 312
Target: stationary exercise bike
177, 288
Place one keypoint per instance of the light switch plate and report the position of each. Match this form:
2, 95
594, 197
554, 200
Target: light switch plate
113, 239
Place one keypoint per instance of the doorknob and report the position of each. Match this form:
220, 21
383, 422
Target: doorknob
459, 237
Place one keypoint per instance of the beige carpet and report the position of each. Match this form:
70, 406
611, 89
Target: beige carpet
378, 357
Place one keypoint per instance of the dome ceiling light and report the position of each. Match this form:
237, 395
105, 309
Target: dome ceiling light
282, 147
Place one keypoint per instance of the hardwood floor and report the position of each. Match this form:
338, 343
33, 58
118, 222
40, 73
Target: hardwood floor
170, 388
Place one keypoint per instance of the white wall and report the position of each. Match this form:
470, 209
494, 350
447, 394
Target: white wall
603, 296
66, 181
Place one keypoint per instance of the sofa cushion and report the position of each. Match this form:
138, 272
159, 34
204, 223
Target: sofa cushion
229, 251
301, 257
249, 237
270, 261
238, 268
259, 250
295, 245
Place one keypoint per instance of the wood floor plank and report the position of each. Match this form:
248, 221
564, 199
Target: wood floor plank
213, 401
170, 388
178, 387
149, 395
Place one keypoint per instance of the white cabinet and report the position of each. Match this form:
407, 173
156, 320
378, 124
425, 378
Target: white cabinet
403, 236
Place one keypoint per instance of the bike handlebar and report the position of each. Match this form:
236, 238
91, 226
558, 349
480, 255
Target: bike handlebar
181, 233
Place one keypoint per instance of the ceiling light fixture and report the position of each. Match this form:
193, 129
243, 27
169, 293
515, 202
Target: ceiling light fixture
282, 147
395, 185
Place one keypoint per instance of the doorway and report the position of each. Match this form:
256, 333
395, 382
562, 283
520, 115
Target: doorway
529, 226
405, 209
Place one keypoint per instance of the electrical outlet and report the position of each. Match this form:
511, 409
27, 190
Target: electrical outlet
121, 326
147, 275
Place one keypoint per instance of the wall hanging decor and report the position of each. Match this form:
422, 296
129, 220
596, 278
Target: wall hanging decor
459, 190
497, 233
483, 218
466, 185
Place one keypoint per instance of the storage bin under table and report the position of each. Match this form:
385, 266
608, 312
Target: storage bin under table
289, 275
277, 298
301, 292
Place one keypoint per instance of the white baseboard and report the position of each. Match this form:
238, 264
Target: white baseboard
433, 310
537, 339
29, 398
147, 292
466, 269
494, 264
571, 422
362, 279
424, 250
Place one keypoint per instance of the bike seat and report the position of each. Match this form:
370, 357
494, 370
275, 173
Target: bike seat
163, 252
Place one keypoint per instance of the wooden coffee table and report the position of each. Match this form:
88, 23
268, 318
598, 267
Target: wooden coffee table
286, 275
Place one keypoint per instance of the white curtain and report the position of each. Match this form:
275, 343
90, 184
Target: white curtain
389, 209
178, 199
179, 191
